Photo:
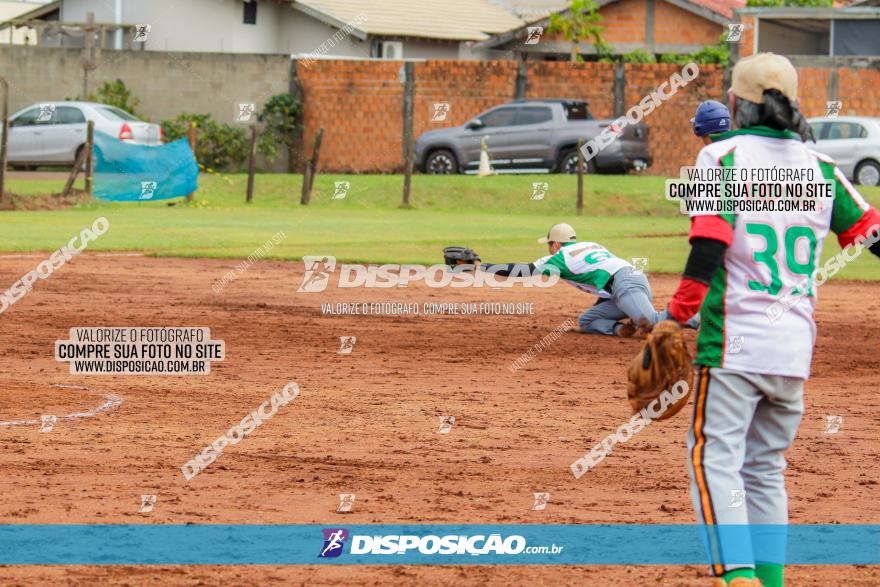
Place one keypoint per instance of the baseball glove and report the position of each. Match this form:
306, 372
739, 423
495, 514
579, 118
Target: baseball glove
663, 370
455, 256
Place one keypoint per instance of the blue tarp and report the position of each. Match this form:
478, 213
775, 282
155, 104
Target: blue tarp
126, 172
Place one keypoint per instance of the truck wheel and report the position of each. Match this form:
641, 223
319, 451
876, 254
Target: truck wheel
868, 173
568, 163
441, 162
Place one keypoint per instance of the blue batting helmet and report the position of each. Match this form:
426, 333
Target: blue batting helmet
711, 117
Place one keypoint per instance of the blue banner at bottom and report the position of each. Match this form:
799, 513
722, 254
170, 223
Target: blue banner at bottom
529, 544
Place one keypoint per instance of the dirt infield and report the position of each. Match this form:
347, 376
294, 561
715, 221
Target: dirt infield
367, 423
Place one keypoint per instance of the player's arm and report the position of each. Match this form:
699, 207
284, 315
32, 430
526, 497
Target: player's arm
547, 264
506, 269
852, 218
710, 236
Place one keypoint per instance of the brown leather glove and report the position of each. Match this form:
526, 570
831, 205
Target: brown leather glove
662, 371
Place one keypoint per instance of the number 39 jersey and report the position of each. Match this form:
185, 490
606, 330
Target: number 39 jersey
757, 316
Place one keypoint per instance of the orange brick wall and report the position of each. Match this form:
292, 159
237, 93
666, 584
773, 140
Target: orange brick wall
672, 141
360, 104
674, 25
593, 82
624, 21
747, 42
469, 87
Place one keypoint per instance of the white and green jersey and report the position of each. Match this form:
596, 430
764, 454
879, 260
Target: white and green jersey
772, 255
587, 266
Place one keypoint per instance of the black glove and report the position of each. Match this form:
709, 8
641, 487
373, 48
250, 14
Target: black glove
457, 256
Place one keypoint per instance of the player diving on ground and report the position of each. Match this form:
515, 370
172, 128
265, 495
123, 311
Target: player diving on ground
623, 291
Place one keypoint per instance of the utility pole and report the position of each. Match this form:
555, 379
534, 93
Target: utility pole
88, 62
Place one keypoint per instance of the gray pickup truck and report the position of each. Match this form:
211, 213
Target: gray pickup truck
531, 135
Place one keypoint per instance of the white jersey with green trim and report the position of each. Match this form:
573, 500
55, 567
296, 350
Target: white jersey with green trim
773, 254
587, 266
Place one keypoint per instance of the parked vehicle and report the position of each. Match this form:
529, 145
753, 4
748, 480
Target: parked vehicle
52, 133
854, 143
531, 135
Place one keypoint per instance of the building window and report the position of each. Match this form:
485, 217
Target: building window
250, 12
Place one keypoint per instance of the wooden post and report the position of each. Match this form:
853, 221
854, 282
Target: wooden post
307, 176
191, 134
408, 106
77, 165
5, 125
251, 164
581, 162
311, 170
88, 63
90, 159
316, 157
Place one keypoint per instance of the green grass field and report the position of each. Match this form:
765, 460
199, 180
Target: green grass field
494, 215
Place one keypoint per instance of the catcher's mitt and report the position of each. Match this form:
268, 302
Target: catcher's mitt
455, 256
663, 370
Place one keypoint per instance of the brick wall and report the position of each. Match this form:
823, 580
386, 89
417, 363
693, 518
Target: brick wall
359, 104
747, 42
593, 82
676, 26
673, 143
624, 21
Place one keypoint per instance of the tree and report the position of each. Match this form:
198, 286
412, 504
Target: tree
580, 22
115, 93
279, 115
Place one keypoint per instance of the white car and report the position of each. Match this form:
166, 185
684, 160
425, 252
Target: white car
853, 142
52, 133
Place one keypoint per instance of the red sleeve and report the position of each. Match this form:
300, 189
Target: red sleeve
714, 227
687, 299
867, 221
690, 293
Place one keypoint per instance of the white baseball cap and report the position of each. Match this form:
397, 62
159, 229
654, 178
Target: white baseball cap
764, 71
559, 233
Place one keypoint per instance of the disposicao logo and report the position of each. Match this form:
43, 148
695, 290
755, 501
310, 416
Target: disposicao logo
334, 540
318, 271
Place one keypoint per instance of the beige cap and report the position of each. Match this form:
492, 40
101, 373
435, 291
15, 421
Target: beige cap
764, 71
559, 233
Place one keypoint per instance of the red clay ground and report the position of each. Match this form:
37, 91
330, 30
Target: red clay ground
367, 423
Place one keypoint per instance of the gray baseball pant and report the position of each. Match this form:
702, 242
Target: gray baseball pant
630, 296
742, 425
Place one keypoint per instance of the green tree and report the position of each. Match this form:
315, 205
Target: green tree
115, 93
218, 146
638, 56
580, 23
279, 116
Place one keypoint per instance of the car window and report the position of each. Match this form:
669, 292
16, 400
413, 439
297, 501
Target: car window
499, 117
112, 113
577, 111
846, 130
534, 115
69, 115
26, 118
818, 128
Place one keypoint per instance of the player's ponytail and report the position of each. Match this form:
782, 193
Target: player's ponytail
777, 112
